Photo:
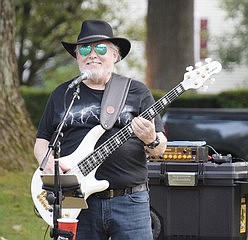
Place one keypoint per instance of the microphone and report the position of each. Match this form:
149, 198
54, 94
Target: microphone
83, 76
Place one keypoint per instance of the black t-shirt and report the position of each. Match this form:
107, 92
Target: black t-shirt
126, 166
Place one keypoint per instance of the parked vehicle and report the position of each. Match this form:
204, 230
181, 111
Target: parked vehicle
225, 130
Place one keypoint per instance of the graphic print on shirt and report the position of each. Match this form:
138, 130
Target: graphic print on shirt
79, 115
91, 114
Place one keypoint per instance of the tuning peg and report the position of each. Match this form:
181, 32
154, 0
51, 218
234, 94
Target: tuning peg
198, 64
189, 68
208, 60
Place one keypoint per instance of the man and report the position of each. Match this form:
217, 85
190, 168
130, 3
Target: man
121, 211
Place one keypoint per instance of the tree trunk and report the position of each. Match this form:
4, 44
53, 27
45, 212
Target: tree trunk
170, 42
16, 129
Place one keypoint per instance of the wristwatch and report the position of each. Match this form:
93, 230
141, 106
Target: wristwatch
153, 144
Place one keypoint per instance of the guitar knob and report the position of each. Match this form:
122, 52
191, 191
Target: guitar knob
208, 60
50, 197
189, 68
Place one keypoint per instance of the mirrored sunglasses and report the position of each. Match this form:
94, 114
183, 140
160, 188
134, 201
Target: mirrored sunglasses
100, 49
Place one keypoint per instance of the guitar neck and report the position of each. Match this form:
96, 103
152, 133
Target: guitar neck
163, 102
107, 148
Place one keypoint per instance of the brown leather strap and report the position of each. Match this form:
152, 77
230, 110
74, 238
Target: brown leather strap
113, 100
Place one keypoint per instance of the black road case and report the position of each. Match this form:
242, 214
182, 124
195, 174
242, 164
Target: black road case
198, 200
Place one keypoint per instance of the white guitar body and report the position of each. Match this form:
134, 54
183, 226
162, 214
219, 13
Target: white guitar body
88, 183
85, 160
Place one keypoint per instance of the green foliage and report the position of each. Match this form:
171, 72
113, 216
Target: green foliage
232, 47
41, 25
55, 76
227, 99
157, 94
35, 100
234, 99
137, 31
17, 217
197, 101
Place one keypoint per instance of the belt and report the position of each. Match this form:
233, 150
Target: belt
111, 193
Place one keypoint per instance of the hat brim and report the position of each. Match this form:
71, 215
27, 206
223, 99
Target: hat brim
123, 44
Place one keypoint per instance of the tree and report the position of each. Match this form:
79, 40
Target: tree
169, 45
232, 47
41, 25
17, 133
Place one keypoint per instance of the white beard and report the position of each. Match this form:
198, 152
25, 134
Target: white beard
98, 77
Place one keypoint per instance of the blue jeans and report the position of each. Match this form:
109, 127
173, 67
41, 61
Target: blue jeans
124, 217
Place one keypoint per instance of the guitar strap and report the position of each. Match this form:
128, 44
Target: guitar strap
113, 100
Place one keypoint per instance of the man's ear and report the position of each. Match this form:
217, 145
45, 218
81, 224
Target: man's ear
116, 56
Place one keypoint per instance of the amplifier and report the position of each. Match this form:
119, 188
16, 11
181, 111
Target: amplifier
192, 151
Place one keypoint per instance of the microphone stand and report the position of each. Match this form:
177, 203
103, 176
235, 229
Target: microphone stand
57, 192
54, 145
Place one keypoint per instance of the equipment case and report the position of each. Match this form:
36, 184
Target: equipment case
202, 200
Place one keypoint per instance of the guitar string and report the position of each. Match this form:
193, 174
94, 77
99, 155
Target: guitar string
92, 160
104, 150
98, 156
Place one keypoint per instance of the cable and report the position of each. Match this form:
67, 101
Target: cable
65, 98
46, 232
237, 159
36, 212
212, 149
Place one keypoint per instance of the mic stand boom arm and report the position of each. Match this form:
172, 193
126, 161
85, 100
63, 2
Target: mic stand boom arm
55, 145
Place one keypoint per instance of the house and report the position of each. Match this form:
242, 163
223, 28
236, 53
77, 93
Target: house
211, 20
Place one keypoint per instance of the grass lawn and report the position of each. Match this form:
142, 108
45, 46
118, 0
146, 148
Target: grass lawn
17, 218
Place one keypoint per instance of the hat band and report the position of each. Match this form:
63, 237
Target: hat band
93, 36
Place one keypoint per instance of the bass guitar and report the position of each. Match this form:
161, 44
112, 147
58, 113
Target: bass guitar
84, 161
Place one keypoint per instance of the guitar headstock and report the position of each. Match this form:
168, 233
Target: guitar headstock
195, 78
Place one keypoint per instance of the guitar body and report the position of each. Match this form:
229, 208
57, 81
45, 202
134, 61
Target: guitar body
88, 183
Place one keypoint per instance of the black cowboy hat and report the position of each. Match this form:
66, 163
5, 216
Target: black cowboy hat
94, 31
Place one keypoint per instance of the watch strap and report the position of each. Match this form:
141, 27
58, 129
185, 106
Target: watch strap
153, 144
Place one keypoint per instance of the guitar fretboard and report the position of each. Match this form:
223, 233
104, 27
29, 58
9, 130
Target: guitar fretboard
104, 150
